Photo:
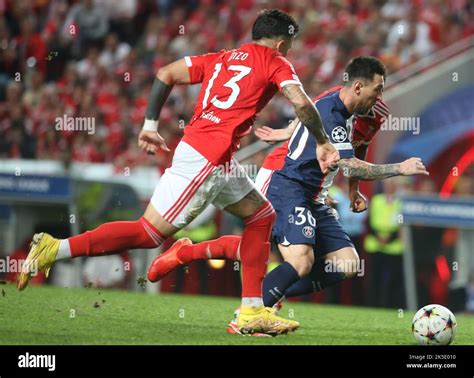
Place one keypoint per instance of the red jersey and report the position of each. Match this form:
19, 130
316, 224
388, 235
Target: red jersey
364, 129
366, 126
236, 86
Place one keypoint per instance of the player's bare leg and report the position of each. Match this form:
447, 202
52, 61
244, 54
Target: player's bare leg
259, 216
109, 238
300, 256
346, 260
157, 220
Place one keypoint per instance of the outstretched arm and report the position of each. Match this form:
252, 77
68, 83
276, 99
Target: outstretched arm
362, 170
271, 136
174, 73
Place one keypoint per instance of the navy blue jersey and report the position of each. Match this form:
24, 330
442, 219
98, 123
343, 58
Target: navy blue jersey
301, 173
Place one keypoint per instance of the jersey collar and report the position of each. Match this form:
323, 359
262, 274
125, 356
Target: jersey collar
340, 107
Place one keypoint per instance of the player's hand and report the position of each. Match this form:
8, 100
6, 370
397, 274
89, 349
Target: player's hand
151, 141
413, 166
331, 201
327, 156
358, 202
271, 136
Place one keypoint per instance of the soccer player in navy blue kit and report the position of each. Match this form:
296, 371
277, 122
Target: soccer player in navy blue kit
312, 241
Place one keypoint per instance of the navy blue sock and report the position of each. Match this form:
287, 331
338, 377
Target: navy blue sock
277, 281
318, 279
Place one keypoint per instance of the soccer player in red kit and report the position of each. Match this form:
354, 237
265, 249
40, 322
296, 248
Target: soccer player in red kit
236, 85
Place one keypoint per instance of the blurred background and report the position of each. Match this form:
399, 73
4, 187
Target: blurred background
97, 59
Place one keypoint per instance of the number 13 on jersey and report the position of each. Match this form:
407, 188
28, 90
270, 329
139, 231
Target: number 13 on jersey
232, 84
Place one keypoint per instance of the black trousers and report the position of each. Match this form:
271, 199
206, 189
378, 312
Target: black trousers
386, 280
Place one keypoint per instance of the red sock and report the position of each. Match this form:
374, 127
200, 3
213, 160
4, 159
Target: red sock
114, 237
255, 250
226, 247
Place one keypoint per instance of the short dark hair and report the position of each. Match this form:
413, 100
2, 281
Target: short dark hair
272, 23
363, 67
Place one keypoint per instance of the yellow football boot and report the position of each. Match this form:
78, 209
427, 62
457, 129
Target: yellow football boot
263, 320
42, 254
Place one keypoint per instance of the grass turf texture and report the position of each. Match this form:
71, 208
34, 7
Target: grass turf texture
119, 317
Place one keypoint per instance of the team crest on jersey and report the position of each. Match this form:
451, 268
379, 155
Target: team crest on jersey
308, 231
339, 134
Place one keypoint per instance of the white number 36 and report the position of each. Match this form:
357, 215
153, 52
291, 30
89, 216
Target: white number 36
301, 217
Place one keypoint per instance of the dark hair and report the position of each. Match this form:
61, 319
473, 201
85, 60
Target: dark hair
272, 23
363, 67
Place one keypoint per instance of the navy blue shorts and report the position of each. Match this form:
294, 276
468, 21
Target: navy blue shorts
301, 221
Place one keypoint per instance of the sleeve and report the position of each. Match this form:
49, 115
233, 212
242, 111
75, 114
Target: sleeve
339, 137
197, 66
360, 152
281, 72
382, 112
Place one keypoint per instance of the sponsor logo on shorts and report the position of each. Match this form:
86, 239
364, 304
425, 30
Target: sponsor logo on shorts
308, 231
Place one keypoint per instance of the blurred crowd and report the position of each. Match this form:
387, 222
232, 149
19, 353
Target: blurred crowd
97, 59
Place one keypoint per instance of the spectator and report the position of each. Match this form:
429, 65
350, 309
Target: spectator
31, 48
32, 95
114, 52
385, 249
17, 143
37, 43
354, 225
415, 35
88, 23
121, 15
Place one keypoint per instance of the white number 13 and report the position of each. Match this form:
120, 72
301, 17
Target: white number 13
232, 84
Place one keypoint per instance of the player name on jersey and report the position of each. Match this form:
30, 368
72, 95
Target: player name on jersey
211, 117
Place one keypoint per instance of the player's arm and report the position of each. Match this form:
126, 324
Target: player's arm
166, 77
360, 153
358, 201
269, 135
362, 170
307, 113
174, 73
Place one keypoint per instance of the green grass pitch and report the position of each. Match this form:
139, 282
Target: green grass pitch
50, 315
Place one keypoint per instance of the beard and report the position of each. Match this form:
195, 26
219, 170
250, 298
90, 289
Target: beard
363, 109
